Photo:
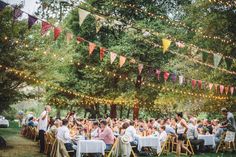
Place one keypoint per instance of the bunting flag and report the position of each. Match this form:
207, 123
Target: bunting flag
102, 53
181, 79
193, 83
112, 56
45, 27
216, 87
31, 21
217, 59
82, 15
132, 61
91, 47
140, 68
17, 13
173, 77
166, 44
226, 90
179, 44
199, 84
231, 90
57, 32
166, 76
210, 85
122, 61
80, 40
99, 20
69, 37
158, 72
2, 5
221, 89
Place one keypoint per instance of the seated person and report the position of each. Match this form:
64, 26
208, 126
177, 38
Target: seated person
192, 135
95, 130
53, 128
218, 135
106, 134
63, 134
131, 132
31, 122
163, 134
155, 132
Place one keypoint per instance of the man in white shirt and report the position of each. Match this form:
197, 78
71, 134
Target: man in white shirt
42, 126
131, 132
63, 134
95, 130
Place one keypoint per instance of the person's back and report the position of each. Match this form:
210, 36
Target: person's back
63, 133
131, 132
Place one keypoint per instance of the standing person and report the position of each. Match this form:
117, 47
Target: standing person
182, 129
229, 124
42, 126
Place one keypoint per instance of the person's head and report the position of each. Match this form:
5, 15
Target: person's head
125, 125
179, 115
162, 128
224, 111
103, 124
215, 122
65, 122
31, 118
95, 124
193, 121
48, 108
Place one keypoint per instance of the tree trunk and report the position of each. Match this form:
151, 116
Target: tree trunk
105, 109
128, 112
113, 113
136, 110
121, 112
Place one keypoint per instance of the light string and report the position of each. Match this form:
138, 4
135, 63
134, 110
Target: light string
23, 75
225, 3
174, 23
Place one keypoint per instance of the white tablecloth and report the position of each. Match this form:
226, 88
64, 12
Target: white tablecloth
209, 140
90, 146
148, 141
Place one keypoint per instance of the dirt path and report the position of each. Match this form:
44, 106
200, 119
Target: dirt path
18, 146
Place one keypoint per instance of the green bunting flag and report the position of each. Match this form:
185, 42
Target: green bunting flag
217, 59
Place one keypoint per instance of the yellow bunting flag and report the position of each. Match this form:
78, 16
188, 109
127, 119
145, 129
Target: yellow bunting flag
99, 21
82, 15
166, 44
122, 61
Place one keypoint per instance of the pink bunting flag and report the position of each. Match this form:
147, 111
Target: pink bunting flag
221, 89
45, 27
80, 40
57, 32
199, 84
194, 83
122, 61
102, 53
112, 56
158, 72
180, 44
140, 68
232, 90
226, 90
91, 47
166, 76
210, 85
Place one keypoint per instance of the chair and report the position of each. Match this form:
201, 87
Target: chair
109, 152
225, 142
59, 149
186, 143
165, 148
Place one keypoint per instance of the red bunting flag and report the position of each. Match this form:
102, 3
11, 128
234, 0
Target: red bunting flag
45, 27
194, 83
210, 85
232, 90
158, 72
140, 68
221, 89
102, 53
226, 90
80, 40
122, 61
199, 84
91, 47
166, 76
57, 32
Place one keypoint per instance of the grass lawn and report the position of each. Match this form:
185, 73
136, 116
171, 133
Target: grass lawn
18, 146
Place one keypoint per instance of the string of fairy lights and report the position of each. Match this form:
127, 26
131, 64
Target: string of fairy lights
173, 39
174, 23
25, 76
225, 3
195, 60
